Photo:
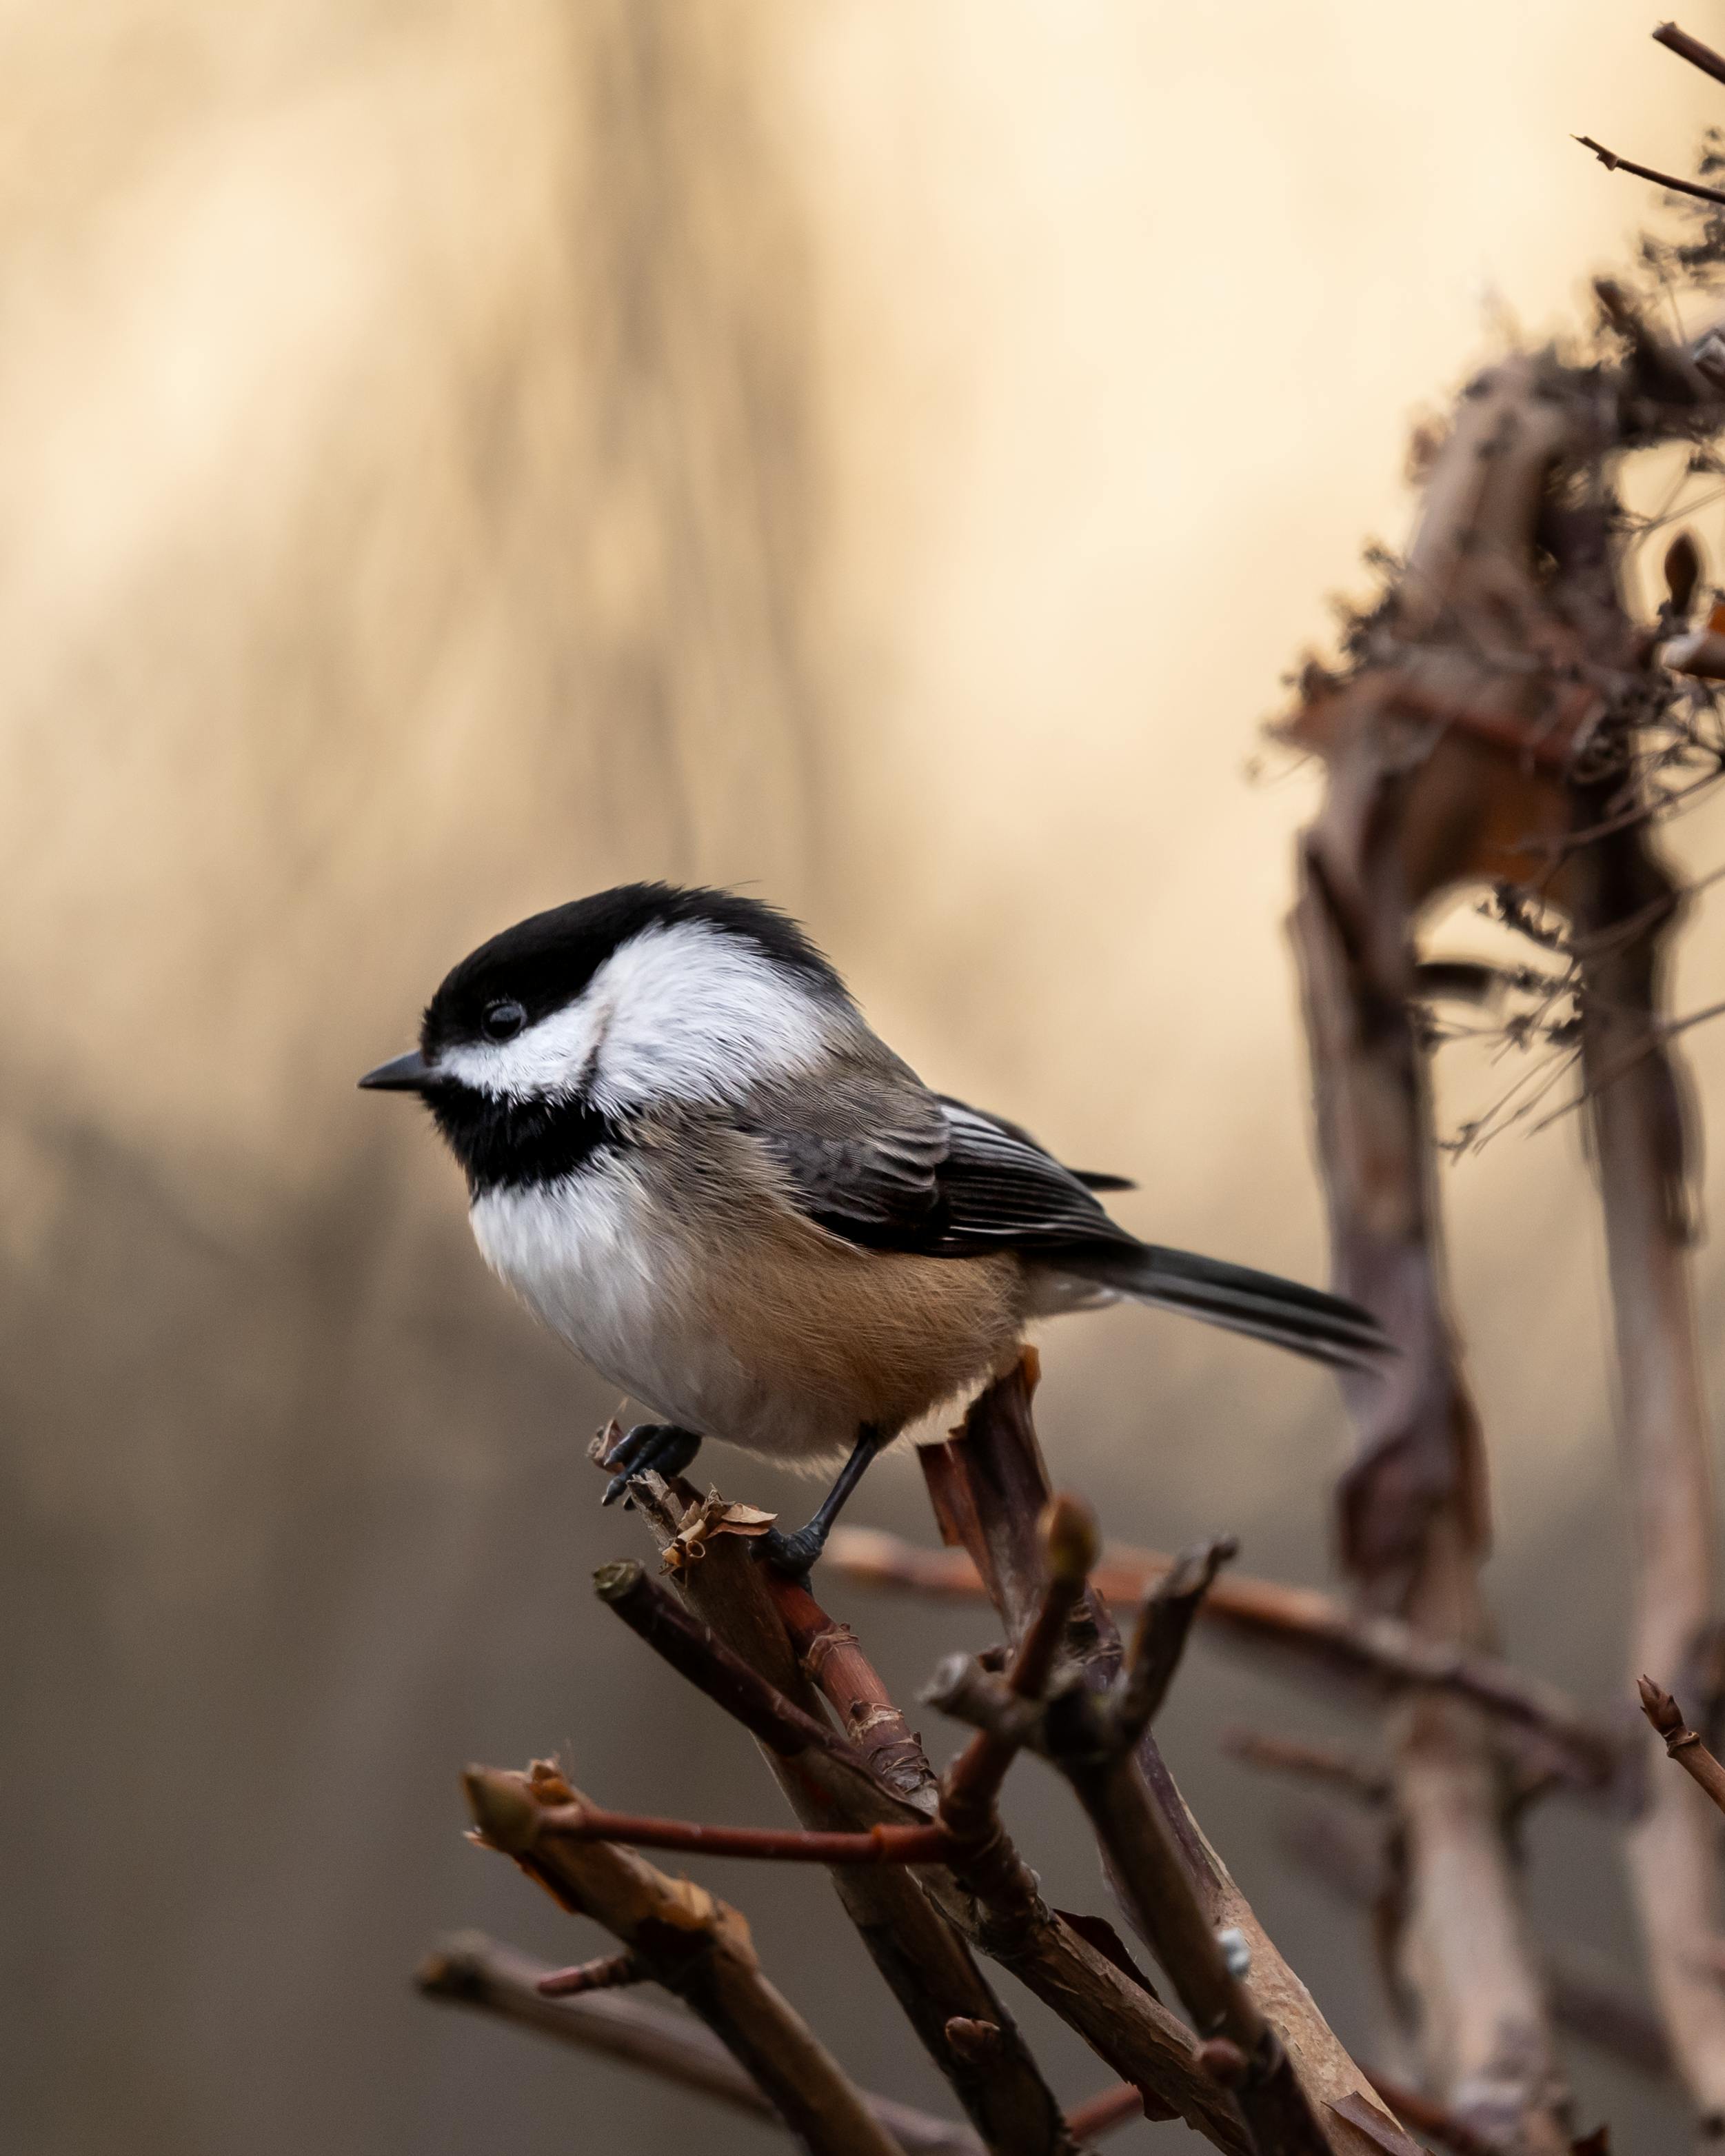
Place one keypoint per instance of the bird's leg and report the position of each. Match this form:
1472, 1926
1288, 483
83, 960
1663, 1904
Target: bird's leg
797, 1553
660, 1448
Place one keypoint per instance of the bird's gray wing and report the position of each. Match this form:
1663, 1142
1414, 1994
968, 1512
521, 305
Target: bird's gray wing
870, 1155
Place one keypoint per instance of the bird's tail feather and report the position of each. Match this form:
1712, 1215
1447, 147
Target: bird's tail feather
1305, 1320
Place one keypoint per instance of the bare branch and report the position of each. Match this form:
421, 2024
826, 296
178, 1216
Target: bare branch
650, 1609
988, 1484
1164, 1622
583, 1822
1691, 49
922, 1951
611, 1973
1322, 1633
694, 1946
471, 1970
1613, 164
1362, 1778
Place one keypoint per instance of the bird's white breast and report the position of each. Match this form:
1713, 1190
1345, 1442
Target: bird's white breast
595, 1257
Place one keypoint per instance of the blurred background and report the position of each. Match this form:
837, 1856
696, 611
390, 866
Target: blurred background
455, 457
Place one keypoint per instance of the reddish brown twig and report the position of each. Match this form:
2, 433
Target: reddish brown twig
612, 1972
1318, 1632
923, 1960
655, 1614
1682, 1743
1613, 164
831, 1656
874, 1845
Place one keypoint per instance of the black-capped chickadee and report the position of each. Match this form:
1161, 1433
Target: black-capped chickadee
688, 1153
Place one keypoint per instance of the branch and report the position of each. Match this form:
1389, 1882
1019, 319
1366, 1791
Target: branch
1682, 1743
694, 1946
655, 1614
1326, 1764
1165, 1624
582, 1822
987, 1484
919, 1952
991, 1899
1691, 49
470, 1971
611, 1973
1613, 164
1325, 1635
1090, 1740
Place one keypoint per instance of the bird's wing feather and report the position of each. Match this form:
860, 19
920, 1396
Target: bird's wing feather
872, 1156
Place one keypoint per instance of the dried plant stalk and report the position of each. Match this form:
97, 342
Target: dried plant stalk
1636, 1113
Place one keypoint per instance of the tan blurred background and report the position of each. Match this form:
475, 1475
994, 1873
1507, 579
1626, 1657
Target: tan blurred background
452, 458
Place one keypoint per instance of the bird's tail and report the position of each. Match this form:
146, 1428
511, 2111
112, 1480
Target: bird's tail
1305, 1320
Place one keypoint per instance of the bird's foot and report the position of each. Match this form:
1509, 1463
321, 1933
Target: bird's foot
657, 1448
795, 1555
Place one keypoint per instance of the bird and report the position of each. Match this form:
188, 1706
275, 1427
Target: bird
691, 1157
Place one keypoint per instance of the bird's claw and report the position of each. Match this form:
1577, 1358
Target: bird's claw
654, 1448
795, 1555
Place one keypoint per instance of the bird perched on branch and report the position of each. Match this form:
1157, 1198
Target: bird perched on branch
688, 1153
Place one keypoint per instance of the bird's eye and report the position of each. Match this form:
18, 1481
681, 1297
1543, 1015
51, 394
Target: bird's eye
504, 1020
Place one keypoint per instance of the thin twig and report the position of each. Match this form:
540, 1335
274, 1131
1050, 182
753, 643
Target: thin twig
1326, 1764
1323, 1632
1682, 1743
611, 1973
1160, 1640
875, 1844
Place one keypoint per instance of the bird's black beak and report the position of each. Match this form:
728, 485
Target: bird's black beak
406, 1074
